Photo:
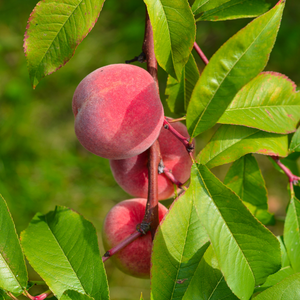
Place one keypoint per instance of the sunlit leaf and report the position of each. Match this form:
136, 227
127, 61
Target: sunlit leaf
284, 256
239, 241
291, 234
268, 102
62, 247
179, 92
54, 30
13, 272
173, 32
200, 6
231, 142
234, 9
178, 248
230, 68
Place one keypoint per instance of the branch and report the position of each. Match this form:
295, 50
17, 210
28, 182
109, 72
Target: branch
200, 53
151, 215
293, 179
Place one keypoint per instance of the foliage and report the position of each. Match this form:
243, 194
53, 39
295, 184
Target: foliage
210, 244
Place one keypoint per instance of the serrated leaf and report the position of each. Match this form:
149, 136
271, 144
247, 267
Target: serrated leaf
179, 92
268, 103
178, 247
235, 9
291, 235
173, 32
288, 288
245, 179
295, 142
13, 272
238, 61
231, 142
54, 30
74, 295
63, 245
208, 282
239, 241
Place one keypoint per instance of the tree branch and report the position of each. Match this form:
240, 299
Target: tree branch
200, 53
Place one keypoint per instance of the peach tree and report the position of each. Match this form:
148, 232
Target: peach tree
213, 242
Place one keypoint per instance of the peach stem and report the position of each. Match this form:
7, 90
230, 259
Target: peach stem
293, 179
171, 177
121, 245
189, 147
43, 295
200, 53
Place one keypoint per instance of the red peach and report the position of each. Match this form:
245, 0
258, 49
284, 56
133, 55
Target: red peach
118, 112
121, 222
132, 173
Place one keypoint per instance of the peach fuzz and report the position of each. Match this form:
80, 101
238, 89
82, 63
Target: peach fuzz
118, 112
119, 223
132, 173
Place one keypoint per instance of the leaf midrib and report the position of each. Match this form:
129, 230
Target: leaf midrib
54, 237
207, 190
59, 31
205, 109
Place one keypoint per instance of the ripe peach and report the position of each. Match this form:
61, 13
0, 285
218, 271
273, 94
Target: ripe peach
132, 173
119, 223
118, 112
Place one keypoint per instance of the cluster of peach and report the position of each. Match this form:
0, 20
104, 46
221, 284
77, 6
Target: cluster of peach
118, 116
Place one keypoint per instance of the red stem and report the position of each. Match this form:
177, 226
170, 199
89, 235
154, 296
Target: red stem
200, 53
171, 177
293, 179
43, 295
189, 146
121, 245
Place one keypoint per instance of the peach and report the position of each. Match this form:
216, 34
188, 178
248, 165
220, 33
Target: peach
132, 173
121, 222
118, 112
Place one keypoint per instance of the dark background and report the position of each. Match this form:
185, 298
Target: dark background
41, 162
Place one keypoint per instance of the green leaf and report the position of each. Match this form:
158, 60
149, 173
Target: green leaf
267, 103
275, 278
201, 6
141, 297
284, 256
245, 179
173, 32
208, 282
179, 93
295, 142
291, 235
62, 247
288, 288
238, 61
247, 252
13, 272
178, 247
54, 30
231, 142
74, 295
235, 9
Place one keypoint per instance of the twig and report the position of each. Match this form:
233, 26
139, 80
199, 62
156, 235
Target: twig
185, 141
141, 58
293, 179
43, 295
200, 53
121, 245
11, 295
170, 120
